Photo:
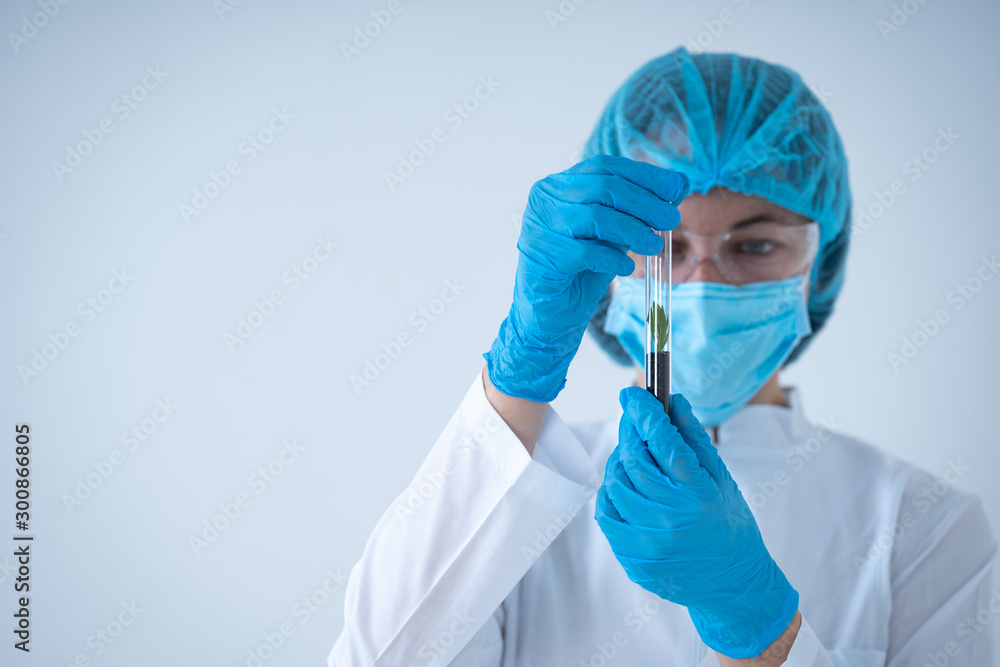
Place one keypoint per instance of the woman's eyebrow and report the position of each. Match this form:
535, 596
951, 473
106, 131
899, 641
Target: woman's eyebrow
761, 217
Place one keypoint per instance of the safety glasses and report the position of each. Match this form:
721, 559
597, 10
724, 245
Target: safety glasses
755, 253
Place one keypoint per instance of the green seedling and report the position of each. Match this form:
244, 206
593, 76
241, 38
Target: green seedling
659, 325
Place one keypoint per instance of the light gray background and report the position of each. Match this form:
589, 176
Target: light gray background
453, 219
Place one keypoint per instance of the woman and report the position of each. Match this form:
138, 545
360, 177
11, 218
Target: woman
644, 539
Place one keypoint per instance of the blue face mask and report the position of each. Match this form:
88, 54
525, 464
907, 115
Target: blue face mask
726, 340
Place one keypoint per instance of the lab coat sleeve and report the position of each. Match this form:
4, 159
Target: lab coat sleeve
457, 540
941, 573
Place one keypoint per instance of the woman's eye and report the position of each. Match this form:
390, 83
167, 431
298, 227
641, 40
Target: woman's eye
756, 246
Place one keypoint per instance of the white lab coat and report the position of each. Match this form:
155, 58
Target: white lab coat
492, 557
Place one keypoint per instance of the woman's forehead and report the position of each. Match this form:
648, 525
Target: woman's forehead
720, 210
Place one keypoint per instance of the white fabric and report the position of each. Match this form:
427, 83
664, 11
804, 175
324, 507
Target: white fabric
492, 557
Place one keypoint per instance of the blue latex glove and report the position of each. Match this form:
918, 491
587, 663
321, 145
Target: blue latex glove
681, 529
574, 234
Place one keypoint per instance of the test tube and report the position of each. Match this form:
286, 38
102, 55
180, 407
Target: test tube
657, 345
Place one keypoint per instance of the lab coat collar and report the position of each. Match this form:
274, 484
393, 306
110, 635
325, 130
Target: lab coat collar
761, 424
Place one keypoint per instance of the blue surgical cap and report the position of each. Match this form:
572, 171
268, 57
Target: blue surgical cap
746, 125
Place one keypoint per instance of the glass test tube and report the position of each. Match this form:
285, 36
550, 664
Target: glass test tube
657, 345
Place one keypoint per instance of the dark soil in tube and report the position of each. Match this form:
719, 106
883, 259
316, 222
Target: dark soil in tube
658, 377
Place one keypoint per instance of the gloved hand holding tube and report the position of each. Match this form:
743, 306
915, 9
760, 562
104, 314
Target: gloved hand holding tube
575, 232
681, 529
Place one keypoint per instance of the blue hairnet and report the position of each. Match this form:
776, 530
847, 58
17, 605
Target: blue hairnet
746, 125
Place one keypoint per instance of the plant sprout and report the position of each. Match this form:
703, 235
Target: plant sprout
659, 326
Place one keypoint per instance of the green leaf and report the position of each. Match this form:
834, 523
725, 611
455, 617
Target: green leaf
659, 326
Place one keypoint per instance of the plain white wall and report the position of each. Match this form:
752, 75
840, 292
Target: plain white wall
162, 335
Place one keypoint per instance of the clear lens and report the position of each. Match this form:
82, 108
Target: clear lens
760, 252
